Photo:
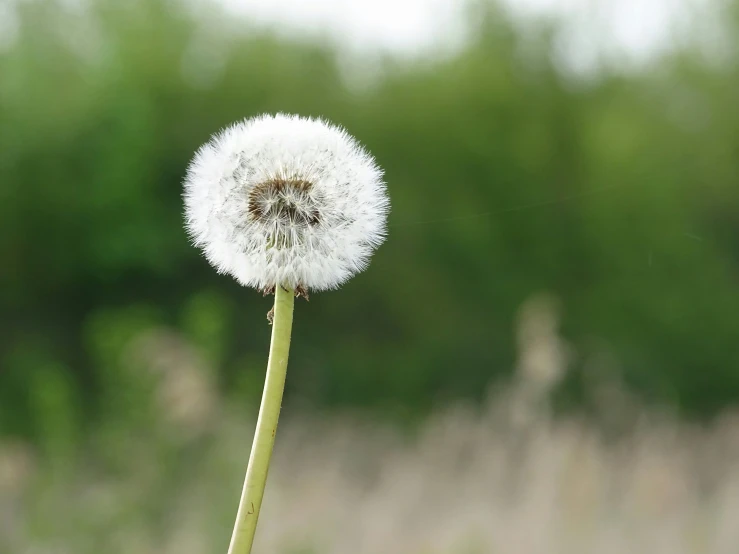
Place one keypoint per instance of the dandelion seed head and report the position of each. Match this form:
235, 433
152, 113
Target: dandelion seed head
286, 200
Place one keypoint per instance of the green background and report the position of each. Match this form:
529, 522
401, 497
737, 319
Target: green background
617, 192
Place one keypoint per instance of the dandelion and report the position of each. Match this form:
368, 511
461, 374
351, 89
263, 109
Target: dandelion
286, 204
286, 200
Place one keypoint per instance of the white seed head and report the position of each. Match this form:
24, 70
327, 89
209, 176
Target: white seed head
286, 200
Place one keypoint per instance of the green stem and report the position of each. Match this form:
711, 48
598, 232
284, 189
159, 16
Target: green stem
264, 436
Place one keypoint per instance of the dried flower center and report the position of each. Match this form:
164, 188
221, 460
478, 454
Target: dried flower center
287, 206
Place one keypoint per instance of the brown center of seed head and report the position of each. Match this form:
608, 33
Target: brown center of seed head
285, 202
287, 208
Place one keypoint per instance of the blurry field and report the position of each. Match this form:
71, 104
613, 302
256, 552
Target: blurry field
505, 478
130, 371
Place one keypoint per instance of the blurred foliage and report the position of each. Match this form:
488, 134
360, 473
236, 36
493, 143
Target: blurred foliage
618, 193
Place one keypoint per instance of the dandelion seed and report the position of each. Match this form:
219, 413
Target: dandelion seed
286, 200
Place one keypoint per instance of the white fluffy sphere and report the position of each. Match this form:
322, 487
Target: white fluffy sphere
286, 200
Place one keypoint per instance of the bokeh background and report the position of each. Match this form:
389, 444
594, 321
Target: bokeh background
543, 357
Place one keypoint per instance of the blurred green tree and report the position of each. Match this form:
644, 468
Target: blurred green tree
508, 176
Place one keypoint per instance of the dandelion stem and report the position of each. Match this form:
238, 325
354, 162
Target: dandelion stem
264, 436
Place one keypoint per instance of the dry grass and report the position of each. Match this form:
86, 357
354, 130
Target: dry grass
468, 483
508, 478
